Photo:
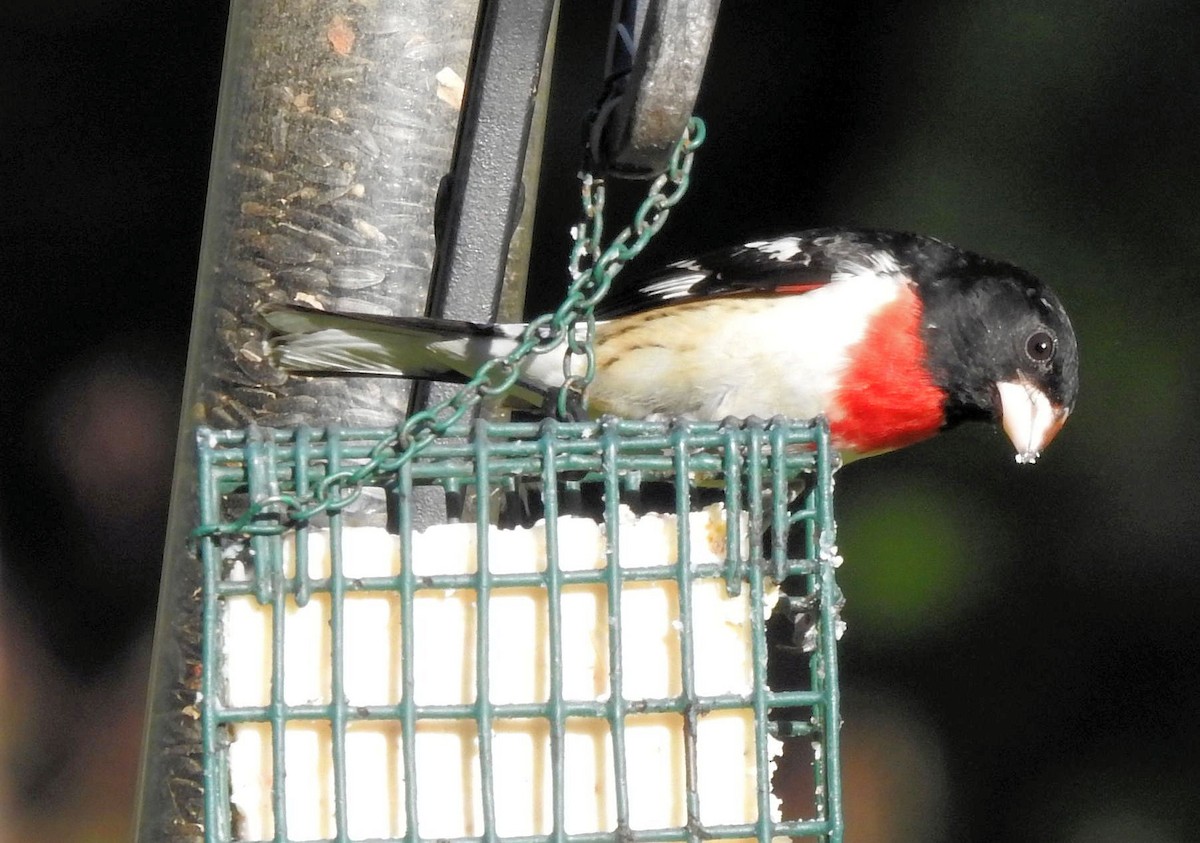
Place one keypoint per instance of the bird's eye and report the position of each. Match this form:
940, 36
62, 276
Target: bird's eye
1040, 346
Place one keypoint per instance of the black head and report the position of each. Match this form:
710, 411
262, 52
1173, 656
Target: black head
1000, 344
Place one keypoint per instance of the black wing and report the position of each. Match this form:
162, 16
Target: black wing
791, 263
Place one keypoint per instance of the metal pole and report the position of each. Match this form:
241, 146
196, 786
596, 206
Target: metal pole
336, 123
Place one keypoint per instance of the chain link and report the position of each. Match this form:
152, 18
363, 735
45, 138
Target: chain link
592, 267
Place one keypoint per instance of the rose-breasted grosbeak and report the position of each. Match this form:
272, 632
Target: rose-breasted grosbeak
893, 337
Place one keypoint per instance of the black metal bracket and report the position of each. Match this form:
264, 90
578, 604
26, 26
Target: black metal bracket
656, 55
480, 200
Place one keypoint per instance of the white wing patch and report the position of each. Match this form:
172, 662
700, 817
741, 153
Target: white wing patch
783, 249
674, 287
876, 264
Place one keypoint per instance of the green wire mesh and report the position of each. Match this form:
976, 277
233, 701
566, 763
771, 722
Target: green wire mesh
752, 466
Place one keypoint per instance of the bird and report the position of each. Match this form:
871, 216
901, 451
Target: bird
892, 336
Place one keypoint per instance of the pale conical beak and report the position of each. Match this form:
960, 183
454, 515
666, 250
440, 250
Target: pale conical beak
1029, 418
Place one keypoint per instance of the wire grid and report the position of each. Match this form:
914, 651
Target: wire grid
756, 463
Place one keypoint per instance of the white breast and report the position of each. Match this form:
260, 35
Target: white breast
739, 355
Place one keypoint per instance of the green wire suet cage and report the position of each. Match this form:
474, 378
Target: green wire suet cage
254, 539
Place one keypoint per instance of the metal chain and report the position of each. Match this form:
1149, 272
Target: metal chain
592, 267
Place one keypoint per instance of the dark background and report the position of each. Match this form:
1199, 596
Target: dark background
1023, 658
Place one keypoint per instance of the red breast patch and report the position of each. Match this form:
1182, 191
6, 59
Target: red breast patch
887, 397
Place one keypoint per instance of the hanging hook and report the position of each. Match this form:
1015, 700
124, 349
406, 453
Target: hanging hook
656, 55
